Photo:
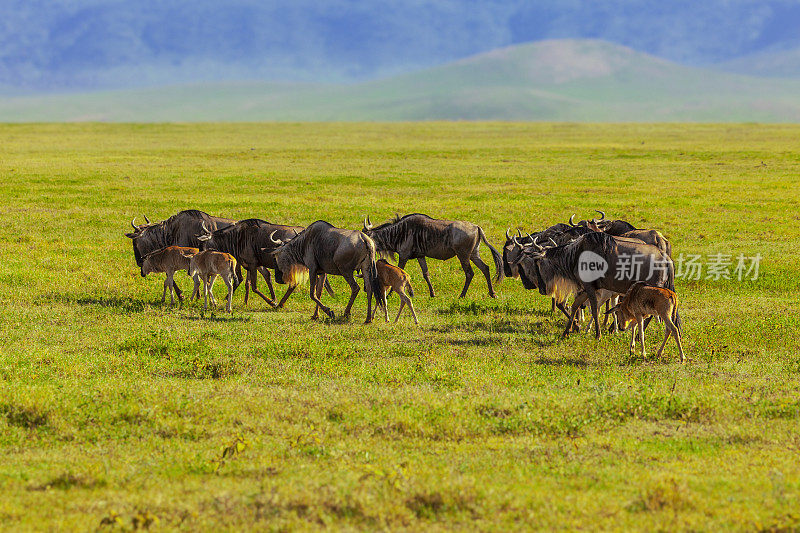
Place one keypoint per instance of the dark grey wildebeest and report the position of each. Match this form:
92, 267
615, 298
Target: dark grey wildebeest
322, 249
180, 229
596, 262
418, 236
246, 240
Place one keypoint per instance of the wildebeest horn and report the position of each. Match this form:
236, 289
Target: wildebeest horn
272, 237
519, 233
367, 223
572, 220
295, 232
554, 242
146, 219
602, 215
537, 245
508, 237
515, 241
135, 227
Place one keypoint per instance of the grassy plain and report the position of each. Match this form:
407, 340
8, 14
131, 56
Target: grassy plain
114, 411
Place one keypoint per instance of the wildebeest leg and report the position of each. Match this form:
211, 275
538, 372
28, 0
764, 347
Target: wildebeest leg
354, 288
570, 319
552, 305
268, 278
289, 291
212, 278
227, 278
178, 291
671, 326
640, 320
252, 276
205, 291
576, 305
196, 289
164, 292
423, 265
312, 276
468, 274
404, 299
320, 282
632, 346
483, 267
171, 278
595, 309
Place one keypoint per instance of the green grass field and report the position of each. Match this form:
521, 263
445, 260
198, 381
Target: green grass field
116, 412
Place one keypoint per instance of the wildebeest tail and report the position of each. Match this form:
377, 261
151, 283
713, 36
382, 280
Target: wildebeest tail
498, 259
377, 286
370, 271
328, 287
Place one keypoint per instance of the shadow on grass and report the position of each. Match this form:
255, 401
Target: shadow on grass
561, 361
214, 317
475, 309
485, 341
121, 303
499, 326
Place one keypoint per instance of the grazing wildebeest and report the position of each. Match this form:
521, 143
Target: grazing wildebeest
170, 260
418, 236
642, 302
612, 227
593, 262
249, 241
209, 264
321, 249
396, 279
180, 229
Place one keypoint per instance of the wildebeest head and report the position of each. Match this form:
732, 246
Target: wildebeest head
206, 238
144, 237
538, 269
287, 268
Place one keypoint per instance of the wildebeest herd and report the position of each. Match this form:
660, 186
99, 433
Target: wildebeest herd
597, 261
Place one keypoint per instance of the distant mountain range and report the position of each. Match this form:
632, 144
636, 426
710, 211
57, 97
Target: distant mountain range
80, 45
554, 80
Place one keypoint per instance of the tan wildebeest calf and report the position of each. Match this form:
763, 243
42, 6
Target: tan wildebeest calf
642, 301
397, 279
170, 260
209, 264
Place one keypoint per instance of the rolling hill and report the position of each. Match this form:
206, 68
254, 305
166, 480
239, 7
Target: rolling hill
558, 80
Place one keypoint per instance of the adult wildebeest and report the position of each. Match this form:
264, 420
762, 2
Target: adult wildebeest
593, 262
180, 229
249, 241
321, 249
418, 236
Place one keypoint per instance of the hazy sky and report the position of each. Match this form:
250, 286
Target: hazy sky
53, 45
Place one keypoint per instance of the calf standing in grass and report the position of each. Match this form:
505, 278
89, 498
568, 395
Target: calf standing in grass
170, 260
209, 264
642, 301
395, 278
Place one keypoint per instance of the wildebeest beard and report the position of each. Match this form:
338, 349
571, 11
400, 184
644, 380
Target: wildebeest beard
291, 269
